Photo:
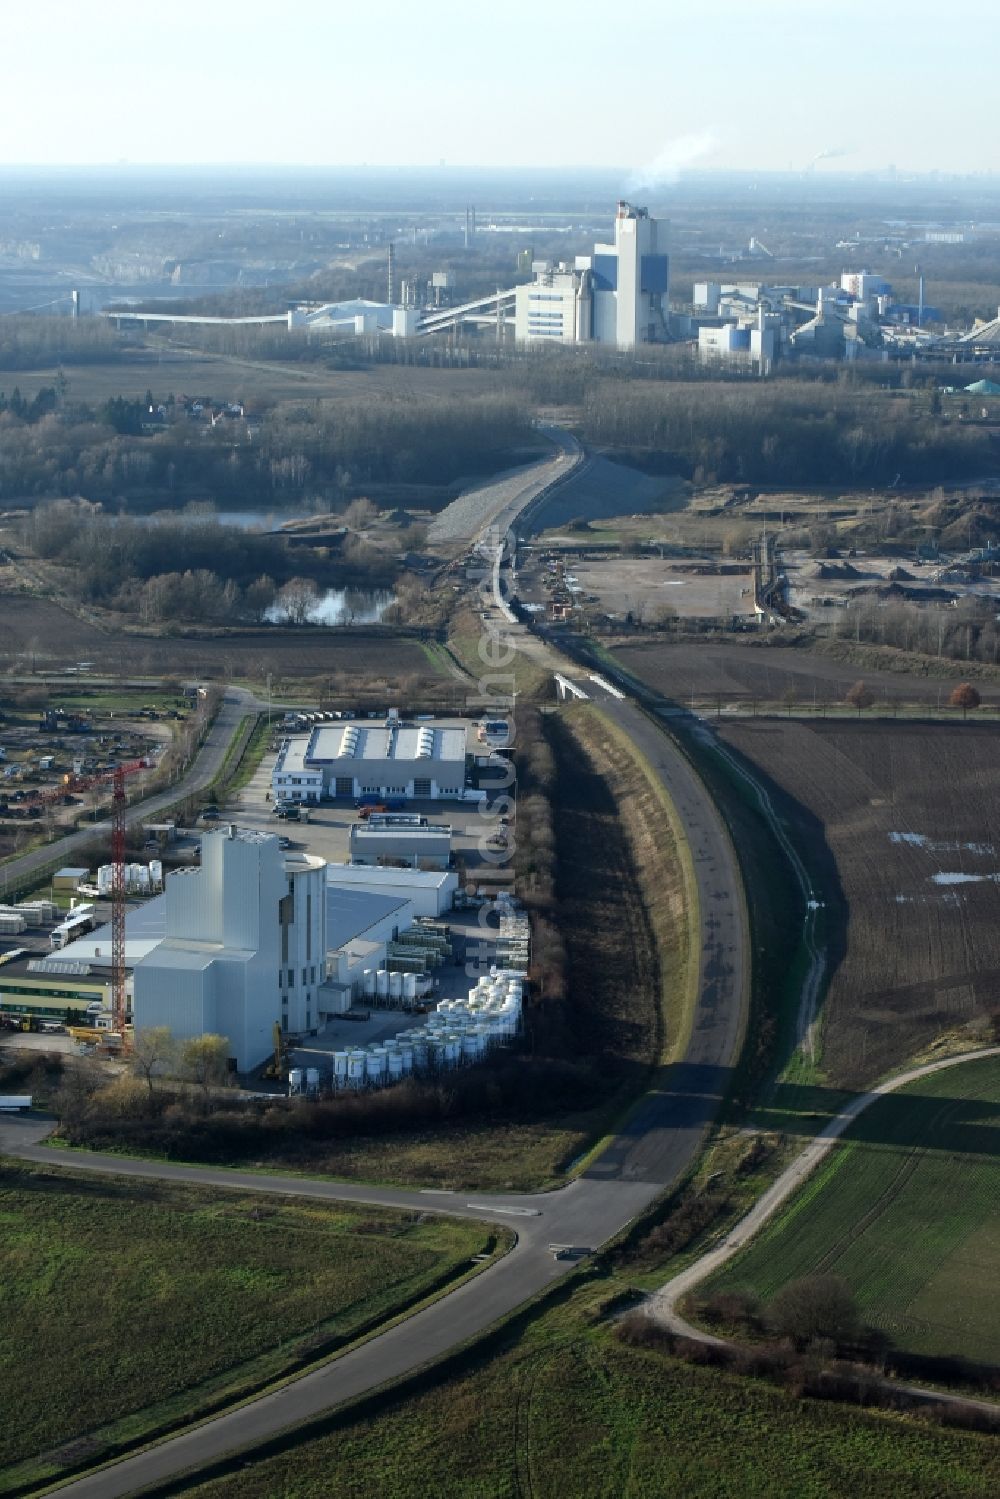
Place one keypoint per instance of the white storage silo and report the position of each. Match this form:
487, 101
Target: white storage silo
382, 983
156, 873
369, 983
375, 1065
406, 1055
312, 1079
395, 1064
340, 1066
356, 1068
395, 986
295, 1080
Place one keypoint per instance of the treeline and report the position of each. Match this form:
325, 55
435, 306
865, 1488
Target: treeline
967, 631
301, 451
28, 343
781, 433
184, 568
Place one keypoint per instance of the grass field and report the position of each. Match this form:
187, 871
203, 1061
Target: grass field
124, 1305
899, 825
562, 1411
165, 367
907, 1210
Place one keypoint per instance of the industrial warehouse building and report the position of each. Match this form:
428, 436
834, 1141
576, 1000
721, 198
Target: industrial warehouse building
253, 936
401, 838
350, 760
244, 933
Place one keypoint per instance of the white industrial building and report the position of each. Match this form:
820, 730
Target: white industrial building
245, 945
351, 760
617, 296
404, 838
430, 891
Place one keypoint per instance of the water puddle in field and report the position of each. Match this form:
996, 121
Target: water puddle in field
942, 846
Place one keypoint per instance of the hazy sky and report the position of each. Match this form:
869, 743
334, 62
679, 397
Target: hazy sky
606, 83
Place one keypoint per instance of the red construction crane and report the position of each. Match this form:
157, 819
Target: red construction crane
116, 777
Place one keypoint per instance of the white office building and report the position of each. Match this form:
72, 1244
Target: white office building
617, 296
352, 760
244, 946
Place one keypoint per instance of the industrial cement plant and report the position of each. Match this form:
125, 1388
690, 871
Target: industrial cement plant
272, 946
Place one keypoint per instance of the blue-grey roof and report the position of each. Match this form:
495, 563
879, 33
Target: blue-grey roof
351, 913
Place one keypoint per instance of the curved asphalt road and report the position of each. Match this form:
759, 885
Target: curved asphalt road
659, 1140
236, 704
657, 1143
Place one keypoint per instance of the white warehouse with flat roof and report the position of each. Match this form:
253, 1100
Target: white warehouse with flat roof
351, 760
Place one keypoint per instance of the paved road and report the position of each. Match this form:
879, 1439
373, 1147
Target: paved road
663, 1306
497, 504
657, 1144
661, 1138
236, 705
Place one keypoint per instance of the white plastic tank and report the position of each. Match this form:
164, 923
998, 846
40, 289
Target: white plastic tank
406, 1055
156, 871
340, 1065
470, 1046
312, 1079
421, 1052
452, 1050
369, 983
395, 1063
395, 986
356, 1068
295, 1080
382, 983
375, 1064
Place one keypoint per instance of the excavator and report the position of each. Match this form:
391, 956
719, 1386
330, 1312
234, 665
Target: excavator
277, 1067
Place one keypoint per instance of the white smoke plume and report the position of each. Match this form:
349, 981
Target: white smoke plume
666, 167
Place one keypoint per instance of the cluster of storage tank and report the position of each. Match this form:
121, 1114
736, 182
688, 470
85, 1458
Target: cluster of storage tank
139, 878
395, 990
304, 1080
458, 1032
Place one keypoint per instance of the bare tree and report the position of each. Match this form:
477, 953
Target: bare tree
153, 1050
815, 1307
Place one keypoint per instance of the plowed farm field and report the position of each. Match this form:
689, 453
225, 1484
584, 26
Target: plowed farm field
36, 634
742, 675
899, 823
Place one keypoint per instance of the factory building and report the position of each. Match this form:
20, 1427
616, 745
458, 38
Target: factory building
617, 296
245, 938
431, 892
349, 760
401, 838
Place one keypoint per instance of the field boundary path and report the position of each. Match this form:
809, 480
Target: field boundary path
237, 704
662, 1305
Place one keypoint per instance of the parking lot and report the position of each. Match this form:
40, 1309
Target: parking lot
327, 833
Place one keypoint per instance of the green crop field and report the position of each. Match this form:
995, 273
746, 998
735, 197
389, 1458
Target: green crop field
907, 1210
124, 1304
564, 1411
